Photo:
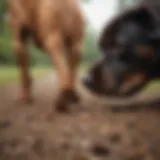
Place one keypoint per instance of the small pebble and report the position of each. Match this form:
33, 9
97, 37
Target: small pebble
100, 150
5, 124
115, 138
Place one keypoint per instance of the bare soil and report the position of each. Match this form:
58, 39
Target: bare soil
93, 129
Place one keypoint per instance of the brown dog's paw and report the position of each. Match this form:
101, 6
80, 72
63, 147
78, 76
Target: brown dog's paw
65, 99
74, 97
24, 99
62, 104
61, 107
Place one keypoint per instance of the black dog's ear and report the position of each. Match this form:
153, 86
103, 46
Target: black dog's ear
108, 34
107, 37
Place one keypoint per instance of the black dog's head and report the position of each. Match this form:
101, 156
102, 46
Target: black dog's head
129, 57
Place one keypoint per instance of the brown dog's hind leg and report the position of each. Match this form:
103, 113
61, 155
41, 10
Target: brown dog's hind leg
74, 55
20, 50
55, 46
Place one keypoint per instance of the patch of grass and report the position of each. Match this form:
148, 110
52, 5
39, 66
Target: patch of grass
9, 75
83, 69
154, 86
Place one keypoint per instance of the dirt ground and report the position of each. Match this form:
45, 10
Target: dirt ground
93, 129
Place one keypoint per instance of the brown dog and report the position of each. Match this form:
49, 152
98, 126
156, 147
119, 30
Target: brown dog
56, 26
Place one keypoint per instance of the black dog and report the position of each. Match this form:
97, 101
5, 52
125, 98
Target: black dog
130, 47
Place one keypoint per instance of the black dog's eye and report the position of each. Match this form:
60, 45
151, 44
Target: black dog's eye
145, 51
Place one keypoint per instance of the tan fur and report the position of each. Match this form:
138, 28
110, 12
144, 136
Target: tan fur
133, 80
56, 26
145, 51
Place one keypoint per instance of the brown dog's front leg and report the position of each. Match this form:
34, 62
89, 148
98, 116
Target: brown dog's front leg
20, 50
74, 55
54, 45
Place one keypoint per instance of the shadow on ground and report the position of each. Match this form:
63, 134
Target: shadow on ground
92, 130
